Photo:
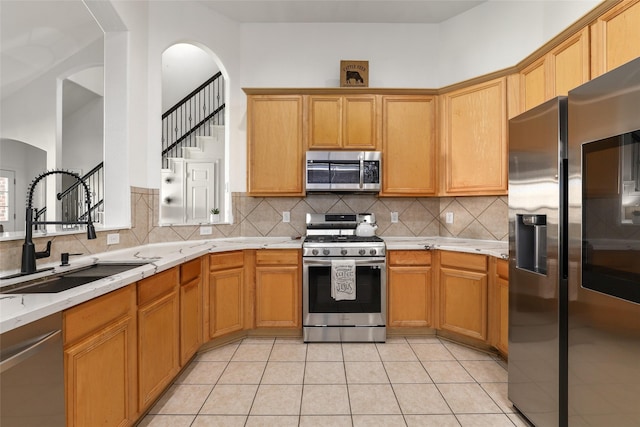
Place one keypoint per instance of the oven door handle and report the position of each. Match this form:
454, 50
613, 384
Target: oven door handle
358, 261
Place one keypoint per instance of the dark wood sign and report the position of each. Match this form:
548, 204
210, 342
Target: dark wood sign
354, 73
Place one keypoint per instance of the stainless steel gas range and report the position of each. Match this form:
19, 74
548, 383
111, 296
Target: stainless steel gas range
344, 280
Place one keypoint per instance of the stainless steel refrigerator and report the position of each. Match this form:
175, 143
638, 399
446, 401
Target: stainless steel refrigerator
538, 263
604, 250
574, 251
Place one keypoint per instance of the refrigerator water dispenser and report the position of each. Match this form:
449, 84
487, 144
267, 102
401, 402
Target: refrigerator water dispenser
531, 243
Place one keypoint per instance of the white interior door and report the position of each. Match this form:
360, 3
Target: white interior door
7, 200
200, 185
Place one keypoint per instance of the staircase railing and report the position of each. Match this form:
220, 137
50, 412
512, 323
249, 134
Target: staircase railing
191, 117
74, 206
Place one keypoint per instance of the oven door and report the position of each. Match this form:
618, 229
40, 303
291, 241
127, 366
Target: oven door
369, 306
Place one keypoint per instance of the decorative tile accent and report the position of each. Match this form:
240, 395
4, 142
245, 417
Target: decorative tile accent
484, 217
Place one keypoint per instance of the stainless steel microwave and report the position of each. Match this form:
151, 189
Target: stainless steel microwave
351, 171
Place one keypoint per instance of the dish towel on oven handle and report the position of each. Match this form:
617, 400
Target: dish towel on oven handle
343, 279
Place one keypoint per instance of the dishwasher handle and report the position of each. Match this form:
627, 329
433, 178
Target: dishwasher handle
29, 350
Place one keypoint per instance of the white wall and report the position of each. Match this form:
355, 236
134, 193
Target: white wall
27, 162
499, 34
184, 68
494, 35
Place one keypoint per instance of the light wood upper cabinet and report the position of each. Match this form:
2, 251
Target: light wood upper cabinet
409, 145
615, 37
346, 122
474, 140
278, 294
564, 68
463, 282
410, 301
158, 335
275, 155
533, 84
100, 360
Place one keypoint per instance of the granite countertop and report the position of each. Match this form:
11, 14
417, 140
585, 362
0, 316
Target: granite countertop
19, 309
494, 248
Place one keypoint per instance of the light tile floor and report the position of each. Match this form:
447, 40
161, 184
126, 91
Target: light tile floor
422, 381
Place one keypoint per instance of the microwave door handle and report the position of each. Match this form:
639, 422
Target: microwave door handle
361, 170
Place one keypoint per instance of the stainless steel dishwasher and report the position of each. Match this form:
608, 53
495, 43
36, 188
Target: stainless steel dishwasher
32, 375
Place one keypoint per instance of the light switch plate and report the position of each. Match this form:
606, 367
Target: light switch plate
286, 216
394, 217
113, 239
205, 231
449, 217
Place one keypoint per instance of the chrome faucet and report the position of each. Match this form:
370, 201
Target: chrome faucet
29, 254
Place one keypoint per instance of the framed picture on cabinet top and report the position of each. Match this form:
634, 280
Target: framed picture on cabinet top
354, 73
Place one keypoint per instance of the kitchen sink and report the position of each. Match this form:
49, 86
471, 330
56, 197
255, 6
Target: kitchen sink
68, 280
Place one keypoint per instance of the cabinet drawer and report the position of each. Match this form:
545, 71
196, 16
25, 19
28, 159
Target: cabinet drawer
464, 260
409, 258
157, 285
94, 315
502, 268
190, 270
277, 257
226, 260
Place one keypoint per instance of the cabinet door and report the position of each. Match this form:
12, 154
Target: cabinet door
615, 37
569, 64
275, 154
190, 319
226, 301
360, 124
98, 378
475, 140
158, 347
278, 296
325, 122
463, 302
408, 146
410, 296
342, 122
503, 336
533, 84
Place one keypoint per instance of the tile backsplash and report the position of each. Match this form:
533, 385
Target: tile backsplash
482, 217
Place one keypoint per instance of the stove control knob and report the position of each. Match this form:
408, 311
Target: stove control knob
325, 251
372, 251
315, 252
362, 252
343, 251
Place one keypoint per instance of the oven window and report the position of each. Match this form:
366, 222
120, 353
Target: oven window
317, 173
368, 298
345, 173
611, 216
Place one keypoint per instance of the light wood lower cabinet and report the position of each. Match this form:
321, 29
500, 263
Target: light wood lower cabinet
100, 360
410, 294
278, 291
225, 293
191, 318
158, 334
501, 305
463, 294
